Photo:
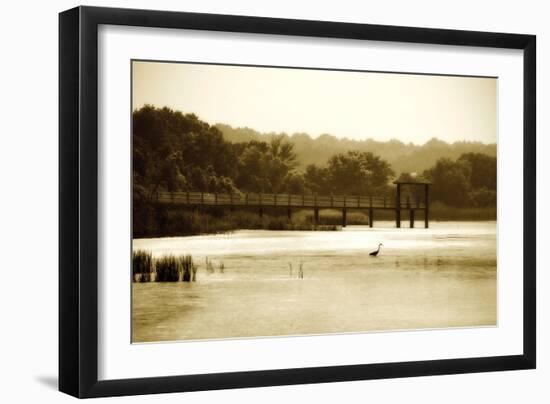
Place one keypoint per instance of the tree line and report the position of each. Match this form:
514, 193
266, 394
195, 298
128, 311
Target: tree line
403, 157
173, 151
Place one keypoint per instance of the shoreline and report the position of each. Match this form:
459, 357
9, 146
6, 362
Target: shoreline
404, 226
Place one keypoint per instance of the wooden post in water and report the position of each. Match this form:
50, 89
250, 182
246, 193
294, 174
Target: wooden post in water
398, 206
315, 210
371, 217
289, 209
316, 215
426, 205
411, 218
344, 217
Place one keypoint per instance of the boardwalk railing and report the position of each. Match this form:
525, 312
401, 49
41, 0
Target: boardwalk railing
409, 202
287, 200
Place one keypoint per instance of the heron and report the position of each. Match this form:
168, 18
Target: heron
375, 253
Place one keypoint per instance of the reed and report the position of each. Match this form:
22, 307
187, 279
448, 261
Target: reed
142, 266
167, 269
188, 268
209, 266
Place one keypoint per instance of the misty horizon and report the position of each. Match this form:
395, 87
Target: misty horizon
353, 105
318, 136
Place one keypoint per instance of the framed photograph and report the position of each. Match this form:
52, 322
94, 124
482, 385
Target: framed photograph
250, 201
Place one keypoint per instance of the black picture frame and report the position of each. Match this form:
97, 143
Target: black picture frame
78, 201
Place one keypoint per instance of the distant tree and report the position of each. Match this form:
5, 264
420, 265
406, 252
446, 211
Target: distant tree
252, 173
482, 197
403, 157
295, 184
451, 182
358, 173
282, 150
483, 170
317, 179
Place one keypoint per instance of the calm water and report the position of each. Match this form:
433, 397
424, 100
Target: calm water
444, 276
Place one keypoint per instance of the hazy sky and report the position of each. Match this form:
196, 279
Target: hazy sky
411, 108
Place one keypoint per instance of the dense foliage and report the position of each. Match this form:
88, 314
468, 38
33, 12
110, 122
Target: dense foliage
471, 180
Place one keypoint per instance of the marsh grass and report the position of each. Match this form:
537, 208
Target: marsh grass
212, 221
209, 266
142, 266
188, 268
167, 269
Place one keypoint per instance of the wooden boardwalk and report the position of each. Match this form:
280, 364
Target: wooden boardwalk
316, 202
286, 200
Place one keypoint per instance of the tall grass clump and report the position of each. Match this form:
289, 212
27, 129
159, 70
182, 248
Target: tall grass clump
142, 266
188, 268
167, 269
209, 266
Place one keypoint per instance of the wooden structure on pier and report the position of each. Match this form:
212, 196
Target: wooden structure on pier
424, 186
290, 202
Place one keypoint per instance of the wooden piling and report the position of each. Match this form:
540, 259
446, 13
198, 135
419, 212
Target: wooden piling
371, 217
398, 206
426, 206
344, 217
411, 218
316, 216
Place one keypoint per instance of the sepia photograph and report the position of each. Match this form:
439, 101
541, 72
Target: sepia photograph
293, 201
